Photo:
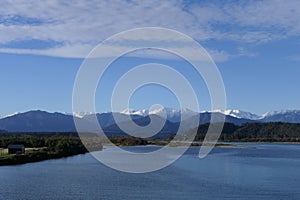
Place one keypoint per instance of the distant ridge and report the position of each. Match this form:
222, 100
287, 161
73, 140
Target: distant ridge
290, 116
42, 121
35, 121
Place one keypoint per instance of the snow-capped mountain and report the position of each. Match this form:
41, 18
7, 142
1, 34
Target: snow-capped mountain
291, 116
129, 111
239, 114
10, 115
281, 112
41, 121
80, 114
171, 114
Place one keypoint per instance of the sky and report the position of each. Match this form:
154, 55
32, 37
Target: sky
255, 45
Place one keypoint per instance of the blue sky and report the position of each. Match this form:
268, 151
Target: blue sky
255, 45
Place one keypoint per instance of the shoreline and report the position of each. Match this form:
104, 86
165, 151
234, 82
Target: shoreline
34, 157
37, 160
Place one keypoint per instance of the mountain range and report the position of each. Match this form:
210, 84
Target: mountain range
42, 121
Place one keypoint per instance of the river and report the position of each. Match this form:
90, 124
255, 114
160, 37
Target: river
265, 171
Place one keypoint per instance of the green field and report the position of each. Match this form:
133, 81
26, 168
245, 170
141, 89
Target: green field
3, 153
39, 149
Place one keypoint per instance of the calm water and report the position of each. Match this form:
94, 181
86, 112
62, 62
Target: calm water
267, 171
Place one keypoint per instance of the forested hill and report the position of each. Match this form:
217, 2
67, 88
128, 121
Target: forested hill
275, 131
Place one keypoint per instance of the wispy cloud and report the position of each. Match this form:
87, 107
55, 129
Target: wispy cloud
294, 58
77, 26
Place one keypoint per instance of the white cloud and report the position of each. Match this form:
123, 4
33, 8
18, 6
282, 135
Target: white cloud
294, 58
273, 14
67, 51
79, 51
80, 25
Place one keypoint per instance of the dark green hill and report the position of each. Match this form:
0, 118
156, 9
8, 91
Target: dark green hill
273, 131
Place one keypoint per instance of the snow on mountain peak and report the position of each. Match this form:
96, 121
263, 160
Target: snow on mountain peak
10, 115
281, 112
163, 110
129, 111
172, 114
239, 114
81, 114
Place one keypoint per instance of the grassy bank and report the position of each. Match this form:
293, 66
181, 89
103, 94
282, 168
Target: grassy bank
44, 146
41, 149
47, 146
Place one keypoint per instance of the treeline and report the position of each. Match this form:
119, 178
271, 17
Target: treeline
52, 144
128, 141
41, 149
39, 134
251, 132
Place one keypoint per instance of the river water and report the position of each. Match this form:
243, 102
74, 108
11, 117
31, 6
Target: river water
265, 171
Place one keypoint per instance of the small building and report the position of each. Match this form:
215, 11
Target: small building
16, 149
2, 152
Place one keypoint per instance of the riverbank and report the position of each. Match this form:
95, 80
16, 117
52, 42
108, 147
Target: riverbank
198, 144
34, 157
39, 149
265, 172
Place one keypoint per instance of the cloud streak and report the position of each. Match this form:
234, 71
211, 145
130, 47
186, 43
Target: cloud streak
78, 26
